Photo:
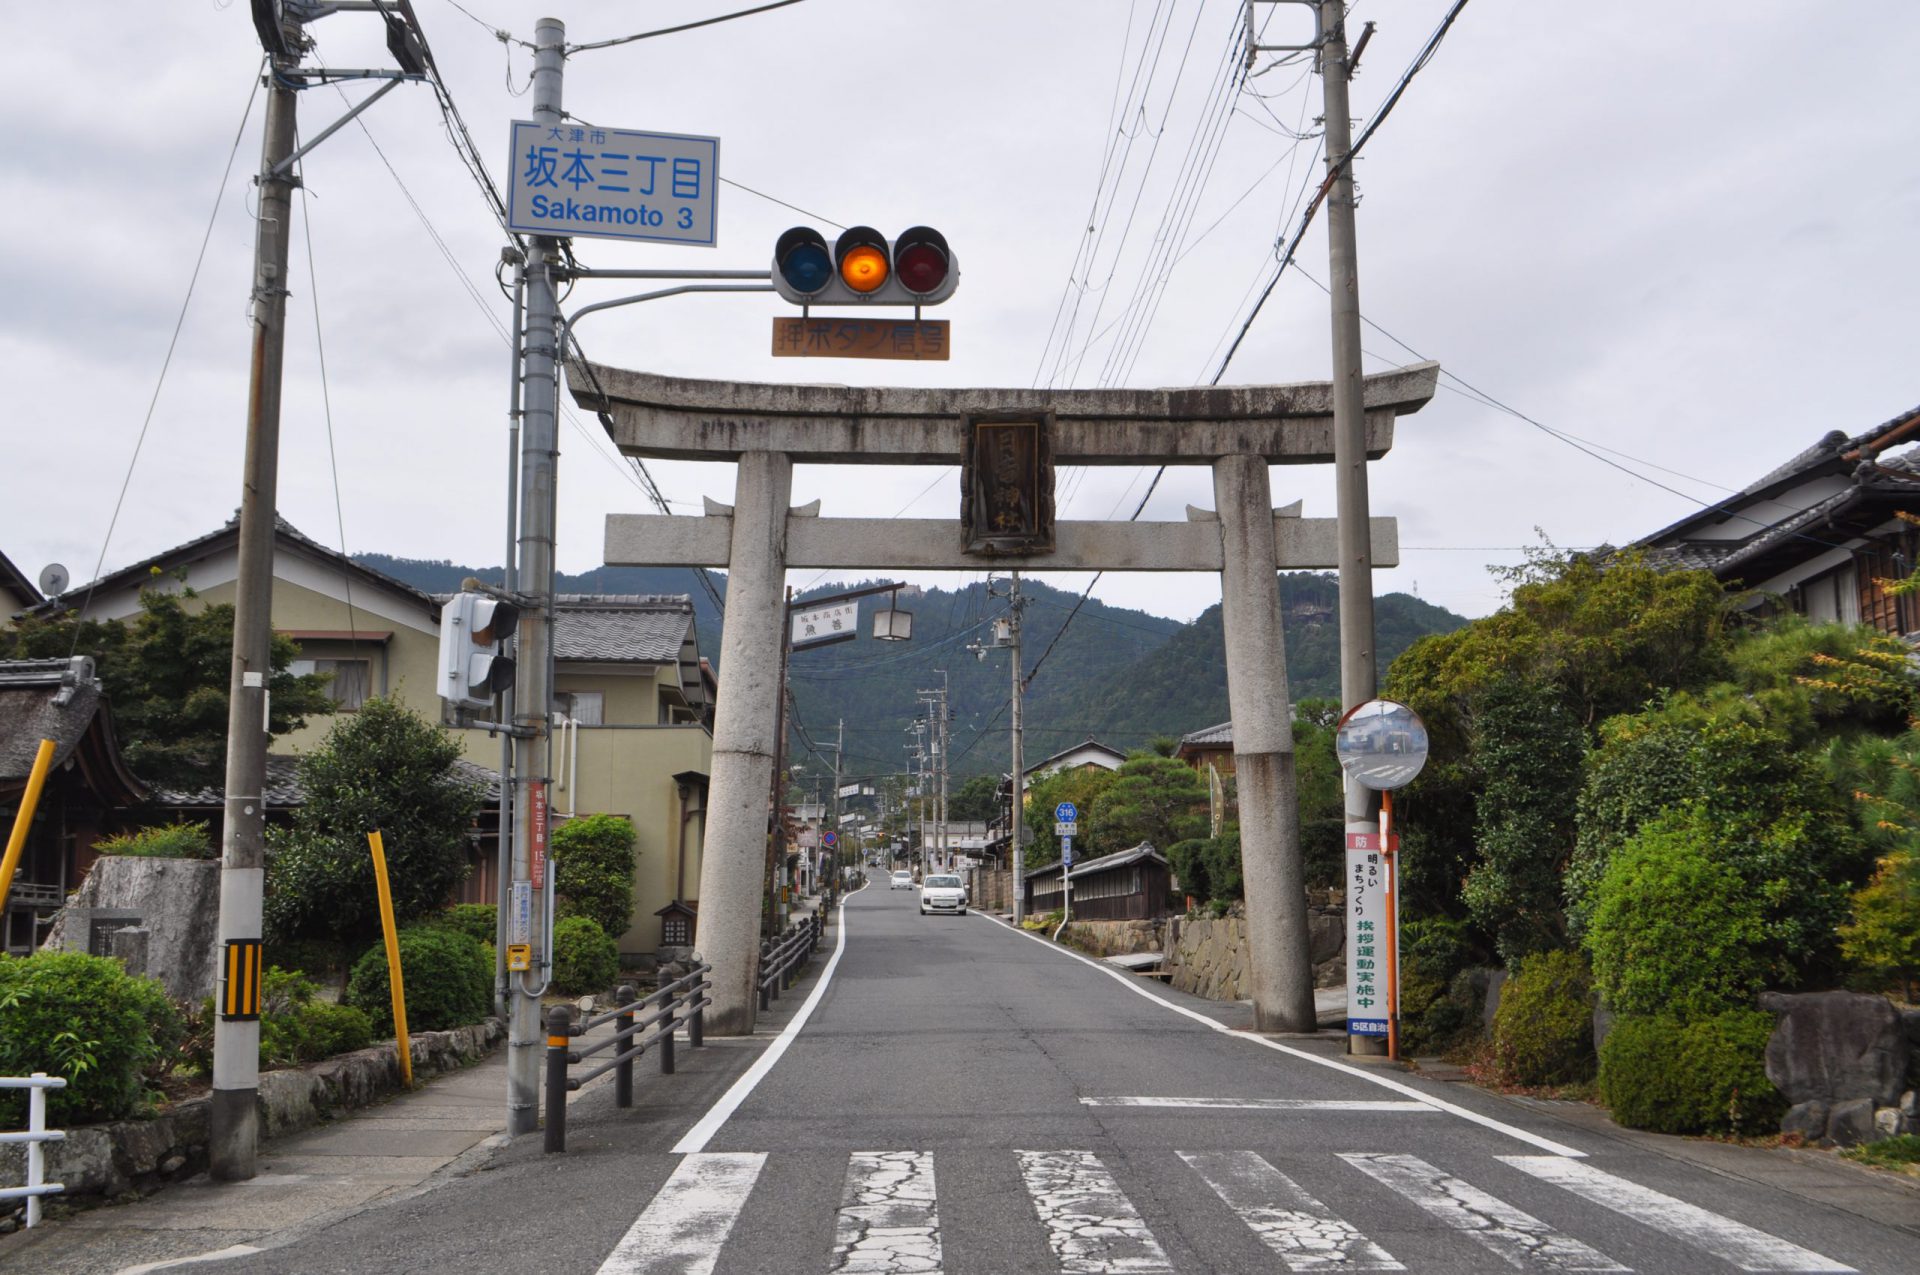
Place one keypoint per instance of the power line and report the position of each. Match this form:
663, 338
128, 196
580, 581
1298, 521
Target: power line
684, 26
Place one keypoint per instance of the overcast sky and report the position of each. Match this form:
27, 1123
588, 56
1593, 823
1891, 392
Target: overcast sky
1686, 232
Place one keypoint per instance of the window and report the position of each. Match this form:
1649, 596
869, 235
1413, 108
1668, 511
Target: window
585, 708
351, 682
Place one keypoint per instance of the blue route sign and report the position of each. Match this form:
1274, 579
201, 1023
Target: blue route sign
1066, 852
1066, 812
613, 183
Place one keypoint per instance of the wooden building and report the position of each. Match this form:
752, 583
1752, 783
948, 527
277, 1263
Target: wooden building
1133, 885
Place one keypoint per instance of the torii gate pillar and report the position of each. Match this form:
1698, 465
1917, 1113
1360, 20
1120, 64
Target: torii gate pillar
767, 429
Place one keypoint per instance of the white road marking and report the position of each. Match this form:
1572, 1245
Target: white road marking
683, 1227
888, 1221
1724, 1238
1302, 1230
696, 1138
1267, 1104
1518, 1237
217, 1255
1134, 985
1091, 1226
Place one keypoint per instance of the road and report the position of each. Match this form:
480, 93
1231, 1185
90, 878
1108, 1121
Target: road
965, 1098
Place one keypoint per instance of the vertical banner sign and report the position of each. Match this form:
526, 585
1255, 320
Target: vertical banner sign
1369, 913
521, 931
537, 852
1006, 485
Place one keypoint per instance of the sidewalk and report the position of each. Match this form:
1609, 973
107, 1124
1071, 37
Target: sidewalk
448, 1125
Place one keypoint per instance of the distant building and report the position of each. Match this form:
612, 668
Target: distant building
17, 593
1133, 885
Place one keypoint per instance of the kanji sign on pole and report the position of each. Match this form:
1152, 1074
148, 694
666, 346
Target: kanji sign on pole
826, 625
1369, 916
613, 183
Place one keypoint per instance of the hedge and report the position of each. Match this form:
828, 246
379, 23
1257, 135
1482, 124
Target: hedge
449, 981
1543, 1030
85, 1018
584, 958
1708, 1076
593, 870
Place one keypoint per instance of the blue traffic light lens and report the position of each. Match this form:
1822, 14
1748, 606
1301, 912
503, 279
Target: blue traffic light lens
807, 267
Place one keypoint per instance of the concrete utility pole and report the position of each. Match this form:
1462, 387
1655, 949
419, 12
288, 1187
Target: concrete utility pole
1019, 829
946, 741
1351, 507
234, 1122
533, 680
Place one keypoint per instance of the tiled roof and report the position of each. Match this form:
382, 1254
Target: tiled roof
1220, 736
622, 628
1106, 862
283, 790
29, 713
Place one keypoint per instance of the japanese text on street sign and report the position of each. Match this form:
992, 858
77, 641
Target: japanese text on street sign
613, 183
1066, 852
521, 926
537, 817
810, 338
824, 626
1066, 829
1369, 914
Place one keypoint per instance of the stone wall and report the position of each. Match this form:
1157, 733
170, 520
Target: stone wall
1208, 957
176, 902
1119, 938
1846, 1064
105, 1161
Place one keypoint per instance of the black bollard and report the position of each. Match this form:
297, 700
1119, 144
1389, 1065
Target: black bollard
559, 1039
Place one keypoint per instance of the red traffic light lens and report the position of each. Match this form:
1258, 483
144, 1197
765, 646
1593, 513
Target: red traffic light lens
921, 260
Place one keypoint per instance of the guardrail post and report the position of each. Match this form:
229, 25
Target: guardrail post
666, 1035
559, 1040
36, 1155
697, 1024
623, 1074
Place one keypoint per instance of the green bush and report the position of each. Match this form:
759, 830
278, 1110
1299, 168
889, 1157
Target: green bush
584, 958
1433, 952
322, 960
85, 1018
1222, 857
449, 982
1543, 1030
478, 921
1674, 929
295, 1028
1708, 1076
593, 871
1190, 868
168, 841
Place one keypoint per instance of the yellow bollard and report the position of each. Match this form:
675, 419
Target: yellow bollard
394, 982
36, 780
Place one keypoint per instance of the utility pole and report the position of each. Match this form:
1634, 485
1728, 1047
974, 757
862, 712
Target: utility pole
533, 667
839, 848
1019, 829
234, 1122
1352, 508
946, 741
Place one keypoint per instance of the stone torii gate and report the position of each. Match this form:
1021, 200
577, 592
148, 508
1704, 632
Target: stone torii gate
1237, 430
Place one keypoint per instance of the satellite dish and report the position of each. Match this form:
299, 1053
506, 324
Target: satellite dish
54, 579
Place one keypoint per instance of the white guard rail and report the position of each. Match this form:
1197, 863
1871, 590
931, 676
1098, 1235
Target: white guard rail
37, 1134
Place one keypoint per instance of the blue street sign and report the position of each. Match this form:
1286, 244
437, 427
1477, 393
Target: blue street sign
1066, 852
830, 838
1066, 812
612, 183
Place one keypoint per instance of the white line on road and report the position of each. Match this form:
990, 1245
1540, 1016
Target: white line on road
702, 1133
1091, 1225
1268, 1104
1133, 984
888, 1222
1731, 1241
1302, 1230
682, 1229
1520, 1238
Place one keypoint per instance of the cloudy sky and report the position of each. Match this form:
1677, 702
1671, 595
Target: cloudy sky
1686, 235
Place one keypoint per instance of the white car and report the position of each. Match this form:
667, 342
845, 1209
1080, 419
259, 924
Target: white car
943, 894
901, 880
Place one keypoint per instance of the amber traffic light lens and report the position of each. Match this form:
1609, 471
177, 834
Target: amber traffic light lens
863, 269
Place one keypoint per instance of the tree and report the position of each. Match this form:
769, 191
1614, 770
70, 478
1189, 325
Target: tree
977, 801
593, 871
1884, 936
1529, 749
166, 674
384, 768
1153, 799
1081, 786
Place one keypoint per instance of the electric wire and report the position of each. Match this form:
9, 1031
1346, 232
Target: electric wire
166, 362
684, 26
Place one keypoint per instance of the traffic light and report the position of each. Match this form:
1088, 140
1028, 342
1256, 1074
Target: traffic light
474, 665
864, 268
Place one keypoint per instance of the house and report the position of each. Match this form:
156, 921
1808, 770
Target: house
87, 786
1208, 746
1818, 534
1133, 885
1089, 754
634, 699
17, 593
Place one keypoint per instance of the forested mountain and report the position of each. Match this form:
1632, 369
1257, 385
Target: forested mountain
1121, 676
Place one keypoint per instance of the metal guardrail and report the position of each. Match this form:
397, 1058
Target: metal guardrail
642, 1023
35, 1136
780, 961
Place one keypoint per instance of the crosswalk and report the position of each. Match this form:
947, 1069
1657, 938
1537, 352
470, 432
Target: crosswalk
888, 1218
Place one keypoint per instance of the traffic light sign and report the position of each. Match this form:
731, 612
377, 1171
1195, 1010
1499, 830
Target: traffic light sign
863, 267
474, 665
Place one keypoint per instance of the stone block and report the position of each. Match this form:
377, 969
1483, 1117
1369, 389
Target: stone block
1840, 1047
1851, 1123
1808, 1119
1888, 1122
1490, 1001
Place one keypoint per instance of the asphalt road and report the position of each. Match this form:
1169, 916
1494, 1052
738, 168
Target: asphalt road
964, 1098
